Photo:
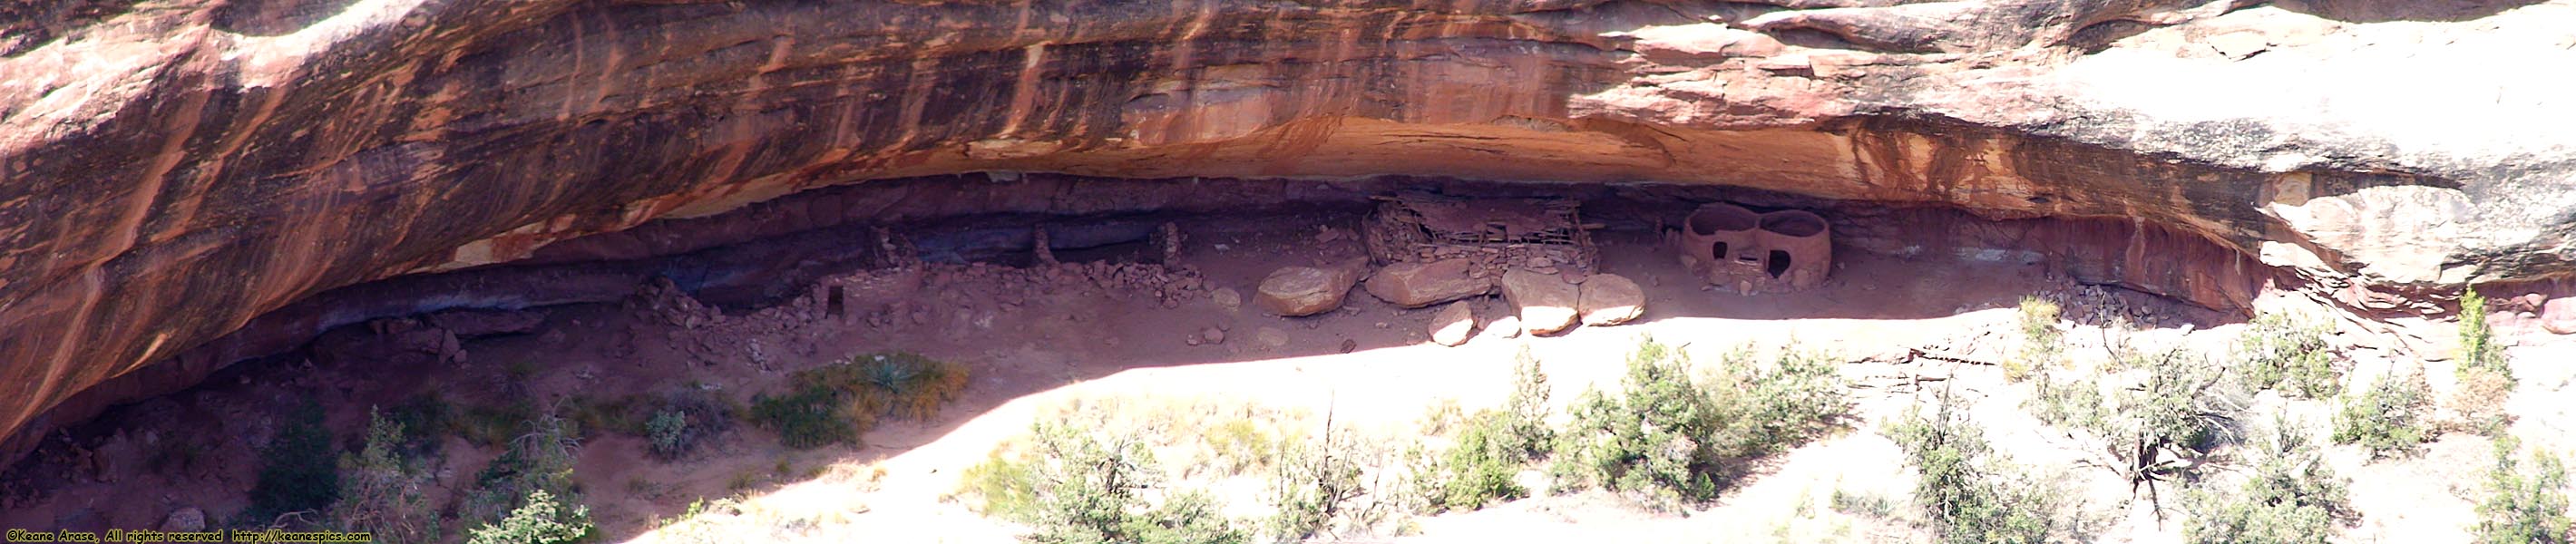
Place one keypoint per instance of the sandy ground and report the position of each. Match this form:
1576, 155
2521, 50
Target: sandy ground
1042, 337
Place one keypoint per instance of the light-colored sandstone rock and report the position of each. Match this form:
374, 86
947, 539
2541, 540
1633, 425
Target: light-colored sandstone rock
1610, 299
188, 519
1508, 326
1304, 290
1546, 304
1227, 298
2558, 315
1213, 335
1415, 285
1270, 338
1453, 325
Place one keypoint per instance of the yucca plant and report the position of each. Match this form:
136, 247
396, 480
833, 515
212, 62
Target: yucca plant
907, 384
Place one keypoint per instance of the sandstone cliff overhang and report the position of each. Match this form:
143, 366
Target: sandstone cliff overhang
171, 169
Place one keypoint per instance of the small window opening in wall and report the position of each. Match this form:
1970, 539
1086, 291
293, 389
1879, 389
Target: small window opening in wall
1779, 263
1717, 253
832, 305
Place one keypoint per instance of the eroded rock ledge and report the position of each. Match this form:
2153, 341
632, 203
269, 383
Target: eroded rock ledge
171, 169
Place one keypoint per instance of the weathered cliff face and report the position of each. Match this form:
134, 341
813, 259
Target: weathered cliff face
171, 169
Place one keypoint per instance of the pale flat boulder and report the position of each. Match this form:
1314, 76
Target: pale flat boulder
1611, 299
1453, 325
1416, 285
2558, 316
1304, 290
185, 520
1545, 302
1508, 326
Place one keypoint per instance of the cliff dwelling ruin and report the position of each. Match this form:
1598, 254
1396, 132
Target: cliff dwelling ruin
550, 271
1538, 233
1734, 247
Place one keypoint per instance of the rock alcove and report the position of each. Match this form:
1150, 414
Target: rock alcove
187, 188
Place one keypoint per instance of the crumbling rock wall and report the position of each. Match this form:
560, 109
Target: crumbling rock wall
170, 169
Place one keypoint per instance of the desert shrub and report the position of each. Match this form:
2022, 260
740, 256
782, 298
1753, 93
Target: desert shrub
693, 525
540, 520
1521, 428
2387, 418
382, 494
495, 425
2289, 496
299, 468
1490, 448
1442, 417
1239, 444
684, 418
2478, 404
1093, 487
1005, 483
1674, 437
669, 434
838, 402
2477, 344
900, 384
915, 386
1779, 404
2288, 353
1476, 470
2524, 504
623, 414
1973, 494
2066, 404
2041, 343
1656, 437
425, 419
176, 459
811, 415
1872, 505
2155, 431
1319, 488
540, 460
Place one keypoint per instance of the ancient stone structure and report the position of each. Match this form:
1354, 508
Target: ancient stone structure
1540, 234
1716, 242
1797, 247
1733, 247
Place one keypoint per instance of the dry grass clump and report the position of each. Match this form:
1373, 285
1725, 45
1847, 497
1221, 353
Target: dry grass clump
2042, 345
834, 404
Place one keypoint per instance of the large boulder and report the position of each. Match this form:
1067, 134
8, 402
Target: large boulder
1304, 290
185, 520
2558, 316
1453, 325
1610, 299
1545, 302
1415, 285
1508, 326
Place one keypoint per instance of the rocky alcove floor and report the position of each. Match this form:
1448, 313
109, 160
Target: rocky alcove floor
1185, 338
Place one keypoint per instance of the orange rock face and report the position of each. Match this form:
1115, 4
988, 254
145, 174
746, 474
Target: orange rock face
167, 174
